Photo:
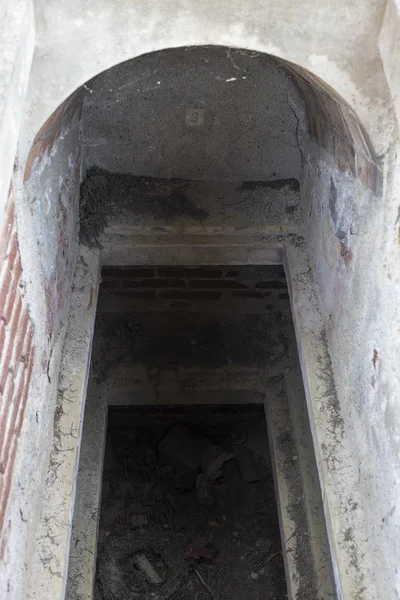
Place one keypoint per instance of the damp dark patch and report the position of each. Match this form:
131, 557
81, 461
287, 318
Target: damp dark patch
290, 184
258, 199
333, 196
172, 341
106, 195
333, 202
302, 554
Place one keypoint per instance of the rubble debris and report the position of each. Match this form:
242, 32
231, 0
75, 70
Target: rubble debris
204, 584
184, 480
171, 518
221, 488
138, 521
259, 555
142, 563
184, 447
213, 523
247, 465
197, 552
137, 509
158, 494
148, 489
202, 491
212, 461
181, 521
175, 505
110, 517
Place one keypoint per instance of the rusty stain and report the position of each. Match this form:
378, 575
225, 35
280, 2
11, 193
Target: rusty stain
348, 535
50, 130
91, 297
346, 253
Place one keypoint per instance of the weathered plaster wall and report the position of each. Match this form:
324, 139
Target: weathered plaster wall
46, 207
353, 244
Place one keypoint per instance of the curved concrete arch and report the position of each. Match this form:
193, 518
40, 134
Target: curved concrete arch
76, 41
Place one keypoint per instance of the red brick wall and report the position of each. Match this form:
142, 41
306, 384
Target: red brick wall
16, 353
209, 288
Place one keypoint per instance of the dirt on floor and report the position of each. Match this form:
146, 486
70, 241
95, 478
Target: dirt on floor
188, 507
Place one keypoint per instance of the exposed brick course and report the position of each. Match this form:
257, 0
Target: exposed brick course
189, 295
127, 272
217, 284
16, 354
152, 283
194, 272
190, 288
270, 285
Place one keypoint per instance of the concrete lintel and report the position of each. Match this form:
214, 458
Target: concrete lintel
54, 531
214, 250
338, 471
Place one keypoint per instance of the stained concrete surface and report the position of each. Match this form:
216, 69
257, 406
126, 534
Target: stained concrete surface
168, 341
118, 200
134, 117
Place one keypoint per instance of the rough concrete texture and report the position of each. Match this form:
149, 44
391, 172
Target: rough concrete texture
301, 577
46, 573
336, 461
125, 205
135, 117
299, 426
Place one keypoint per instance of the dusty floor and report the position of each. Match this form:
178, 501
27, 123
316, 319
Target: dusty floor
160, 538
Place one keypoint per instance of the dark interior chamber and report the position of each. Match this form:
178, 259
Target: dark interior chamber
188, 504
